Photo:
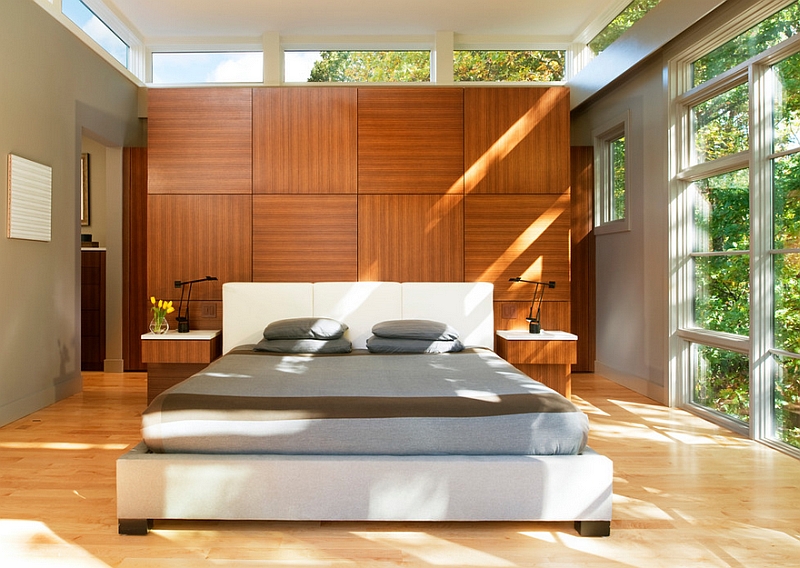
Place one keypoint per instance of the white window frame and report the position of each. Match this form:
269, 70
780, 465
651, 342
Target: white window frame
604, 136
199, 49
683, 334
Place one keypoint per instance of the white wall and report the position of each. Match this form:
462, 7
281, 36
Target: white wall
53, 87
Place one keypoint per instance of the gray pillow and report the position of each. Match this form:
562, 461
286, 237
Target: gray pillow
339, 345
376, 344
305, 328
415, 329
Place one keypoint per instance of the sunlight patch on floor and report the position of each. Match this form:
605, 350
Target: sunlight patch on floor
587, 407
434, 550
61, 446
629, 507
32, 543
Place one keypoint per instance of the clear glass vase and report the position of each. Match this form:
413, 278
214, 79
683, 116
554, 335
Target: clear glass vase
159, 325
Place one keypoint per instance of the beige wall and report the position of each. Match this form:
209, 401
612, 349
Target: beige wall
54, 87
97, 190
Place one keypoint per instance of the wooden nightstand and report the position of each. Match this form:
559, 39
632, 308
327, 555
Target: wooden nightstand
545, 357
173, 357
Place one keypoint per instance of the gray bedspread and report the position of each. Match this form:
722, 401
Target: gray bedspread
467, 403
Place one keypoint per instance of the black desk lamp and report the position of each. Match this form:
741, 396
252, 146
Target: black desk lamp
183, 320
535, 324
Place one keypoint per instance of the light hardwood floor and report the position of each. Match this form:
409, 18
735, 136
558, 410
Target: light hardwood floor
686, 493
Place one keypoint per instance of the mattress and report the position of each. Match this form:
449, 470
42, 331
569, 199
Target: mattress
467, 403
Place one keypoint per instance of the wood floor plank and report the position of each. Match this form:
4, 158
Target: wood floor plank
686, 493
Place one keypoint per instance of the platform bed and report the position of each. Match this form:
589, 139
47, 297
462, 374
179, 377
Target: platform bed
282, 486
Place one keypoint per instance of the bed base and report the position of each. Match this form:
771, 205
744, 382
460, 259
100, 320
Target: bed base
364, 488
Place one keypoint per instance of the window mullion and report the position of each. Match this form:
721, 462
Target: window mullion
761, 272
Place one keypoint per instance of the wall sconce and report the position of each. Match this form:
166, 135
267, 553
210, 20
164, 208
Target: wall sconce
535, 324
183, 320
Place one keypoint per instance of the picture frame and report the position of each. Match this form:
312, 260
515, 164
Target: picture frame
30, 189
84, 190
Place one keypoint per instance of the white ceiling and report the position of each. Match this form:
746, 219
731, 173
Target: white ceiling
543, 20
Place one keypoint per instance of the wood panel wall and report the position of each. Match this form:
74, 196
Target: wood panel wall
305, 140
410, 140
200, 141
583, 256
135, 295
355, 183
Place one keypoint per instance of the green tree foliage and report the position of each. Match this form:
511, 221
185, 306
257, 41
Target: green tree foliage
722, 378
768, 33
722, 125
372, 67
634, 12
618, 185
414, 66
509, 65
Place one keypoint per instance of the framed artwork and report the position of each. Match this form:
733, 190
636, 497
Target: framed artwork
84, 190
30, 187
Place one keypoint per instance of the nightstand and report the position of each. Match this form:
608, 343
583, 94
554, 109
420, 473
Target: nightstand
173, 357
545, 357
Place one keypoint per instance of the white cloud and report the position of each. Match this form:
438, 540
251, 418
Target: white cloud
239, 68
298, 65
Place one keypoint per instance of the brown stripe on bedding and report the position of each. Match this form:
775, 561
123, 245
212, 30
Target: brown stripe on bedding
307, 408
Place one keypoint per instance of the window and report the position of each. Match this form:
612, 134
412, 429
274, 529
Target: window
611, 209
721, 125
357, 66
770, 32
208, 67
785, 251
737, 238
96, 29
509, 65
634, 12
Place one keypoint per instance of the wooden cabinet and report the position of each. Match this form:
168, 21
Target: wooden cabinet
93, 309
173, 357
545, 357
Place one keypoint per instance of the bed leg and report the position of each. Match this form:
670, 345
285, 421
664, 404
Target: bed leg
135, 526
593, 528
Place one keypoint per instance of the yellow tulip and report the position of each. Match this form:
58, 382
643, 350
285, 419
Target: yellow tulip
161, 303
170, 310
153, 300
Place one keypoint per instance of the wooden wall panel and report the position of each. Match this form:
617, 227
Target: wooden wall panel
135, 313
411, 238
305, 140
299, 238
583, 256
363, 184
192, 236
200, 140
410, 140
516, 140
521, 235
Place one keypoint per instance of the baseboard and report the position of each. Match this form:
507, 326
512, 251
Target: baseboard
637, 384
31, 403
114, 366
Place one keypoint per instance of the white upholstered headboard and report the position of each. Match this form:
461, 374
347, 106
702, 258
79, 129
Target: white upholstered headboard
247, 307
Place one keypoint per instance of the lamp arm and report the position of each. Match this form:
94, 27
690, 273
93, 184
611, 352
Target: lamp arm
536, 301
183, 319
188, 297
